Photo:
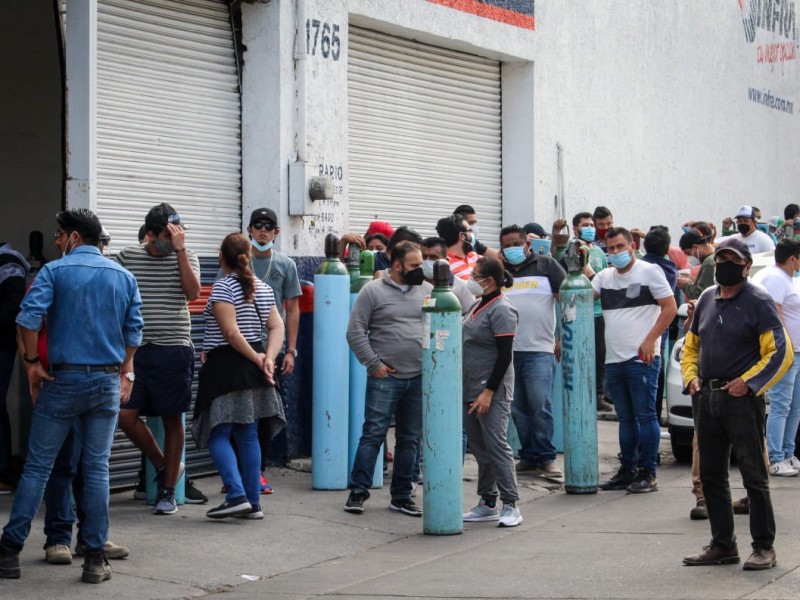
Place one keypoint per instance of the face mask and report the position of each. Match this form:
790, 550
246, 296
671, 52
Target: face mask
620, 260
469, 243
261, 247
686, 229
729, 273
164, 247
475, 288
515, 255
743, 228
693, 260
475, 232
588, 234
600, 233
414, 276
427, 268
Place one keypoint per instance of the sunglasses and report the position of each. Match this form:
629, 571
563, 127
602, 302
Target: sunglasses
262, 225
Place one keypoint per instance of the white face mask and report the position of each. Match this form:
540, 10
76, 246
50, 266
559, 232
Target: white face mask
694, 261
475, 231
427, 268
475, 288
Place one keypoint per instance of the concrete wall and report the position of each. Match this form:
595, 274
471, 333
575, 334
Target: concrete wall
31, 170
649, 100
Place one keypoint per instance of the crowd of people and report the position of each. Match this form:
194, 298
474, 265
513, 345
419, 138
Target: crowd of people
135, 357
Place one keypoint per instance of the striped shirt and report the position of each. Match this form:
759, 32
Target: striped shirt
251, 317
165, 307
462, 267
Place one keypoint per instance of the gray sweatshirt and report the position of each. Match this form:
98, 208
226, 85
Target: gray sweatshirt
386, 326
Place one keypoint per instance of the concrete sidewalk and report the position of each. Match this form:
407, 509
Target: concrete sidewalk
606, 545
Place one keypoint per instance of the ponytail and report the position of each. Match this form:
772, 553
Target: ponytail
493, 268
235, 251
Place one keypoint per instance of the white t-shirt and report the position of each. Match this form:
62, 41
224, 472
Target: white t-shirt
630, 307
785, 290
757, 242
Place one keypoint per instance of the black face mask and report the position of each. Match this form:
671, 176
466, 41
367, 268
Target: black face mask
414, 276
743, 228
729, 273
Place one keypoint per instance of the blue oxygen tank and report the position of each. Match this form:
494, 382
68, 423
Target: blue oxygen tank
329, 420
365, 263
557, 401
581, 473
442, 402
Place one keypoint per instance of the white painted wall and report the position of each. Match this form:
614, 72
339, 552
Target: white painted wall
649, 100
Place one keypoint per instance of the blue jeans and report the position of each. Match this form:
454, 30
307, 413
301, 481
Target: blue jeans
633, 384
386, 397
246, 482
93, 398
6, 368
784, 414
532, 408
66, 480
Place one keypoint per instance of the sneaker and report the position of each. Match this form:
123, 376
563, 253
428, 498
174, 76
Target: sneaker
192, 494
159, 478
620, 481
111, 550
482, 512
741, 506
760, 559
414, 489
58, 554
550, 471
782, 469
140, 493
407, 507
255, 513
95, 568
230, 508
9, 563
165, 503
355, 501
794, 462
510, 517
645, 482
713, 555
266, 488
5, 489
699, 512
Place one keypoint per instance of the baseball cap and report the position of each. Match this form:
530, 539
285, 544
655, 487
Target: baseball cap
536, 229
160, 215
737, 246
745, 212
775, 222
690, 238
381, 227
263, 214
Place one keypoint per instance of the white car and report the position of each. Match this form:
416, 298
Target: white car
680, 420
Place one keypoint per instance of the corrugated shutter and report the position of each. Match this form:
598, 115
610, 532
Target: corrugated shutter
168, 118
424, 134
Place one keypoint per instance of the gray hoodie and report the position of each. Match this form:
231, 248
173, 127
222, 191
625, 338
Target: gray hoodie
386, 326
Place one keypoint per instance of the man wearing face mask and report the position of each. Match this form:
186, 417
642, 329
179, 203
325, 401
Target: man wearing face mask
433, 249
385, 334
168, 275
700, 252
735, 350
457, 234
757, 241
638, 306
603, 221
469, 214
537, 280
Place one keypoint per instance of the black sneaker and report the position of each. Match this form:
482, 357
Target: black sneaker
645, 482
230, 508
406, 507
255, 513
620, 481
9, 563
194, 495
355, 501
95, 568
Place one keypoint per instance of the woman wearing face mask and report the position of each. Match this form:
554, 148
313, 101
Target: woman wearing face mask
237, 381
488, 388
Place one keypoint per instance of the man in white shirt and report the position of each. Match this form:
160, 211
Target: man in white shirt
757, 241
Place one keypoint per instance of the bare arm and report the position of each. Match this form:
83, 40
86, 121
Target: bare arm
190, 282
292, 327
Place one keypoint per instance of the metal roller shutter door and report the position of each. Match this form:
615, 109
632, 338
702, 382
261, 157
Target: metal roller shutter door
424, 134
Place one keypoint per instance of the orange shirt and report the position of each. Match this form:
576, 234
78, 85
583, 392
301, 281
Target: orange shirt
462, 267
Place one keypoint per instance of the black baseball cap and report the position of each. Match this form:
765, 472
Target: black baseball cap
263, 214
690, 238
159, 216
735, 245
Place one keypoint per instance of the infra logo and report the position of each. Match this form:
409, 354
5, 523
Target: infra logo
775, 16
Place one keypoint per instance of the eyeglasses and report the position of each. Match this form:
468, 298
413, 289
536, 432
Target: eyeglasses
58, 233
476, 277
262, 225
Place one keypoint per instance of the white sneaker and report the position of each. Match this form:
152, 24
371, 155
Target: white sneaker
510, 517
482, 512
782, 469
794, 462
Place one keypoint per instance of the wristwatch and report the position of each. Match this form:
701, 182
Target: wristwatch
292, 352
129, 375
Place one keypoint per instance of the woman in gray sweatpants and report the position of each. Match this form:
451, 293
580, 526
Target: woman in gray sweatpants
488, 387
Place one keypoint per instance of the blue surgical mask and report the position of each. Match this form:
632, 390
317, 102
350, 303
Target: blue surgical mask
588, 233
261, 247
686, 229
515, 255
620, 260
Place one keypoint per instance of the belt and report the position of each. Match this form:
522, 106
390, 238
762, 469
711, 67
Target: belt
715, 384
87, 368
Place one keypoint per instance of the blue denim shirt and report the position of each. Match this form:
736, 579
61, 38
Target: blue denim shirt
92, 307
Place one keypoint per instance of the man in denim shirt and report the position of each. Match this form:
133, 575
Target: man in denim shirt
94, 326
